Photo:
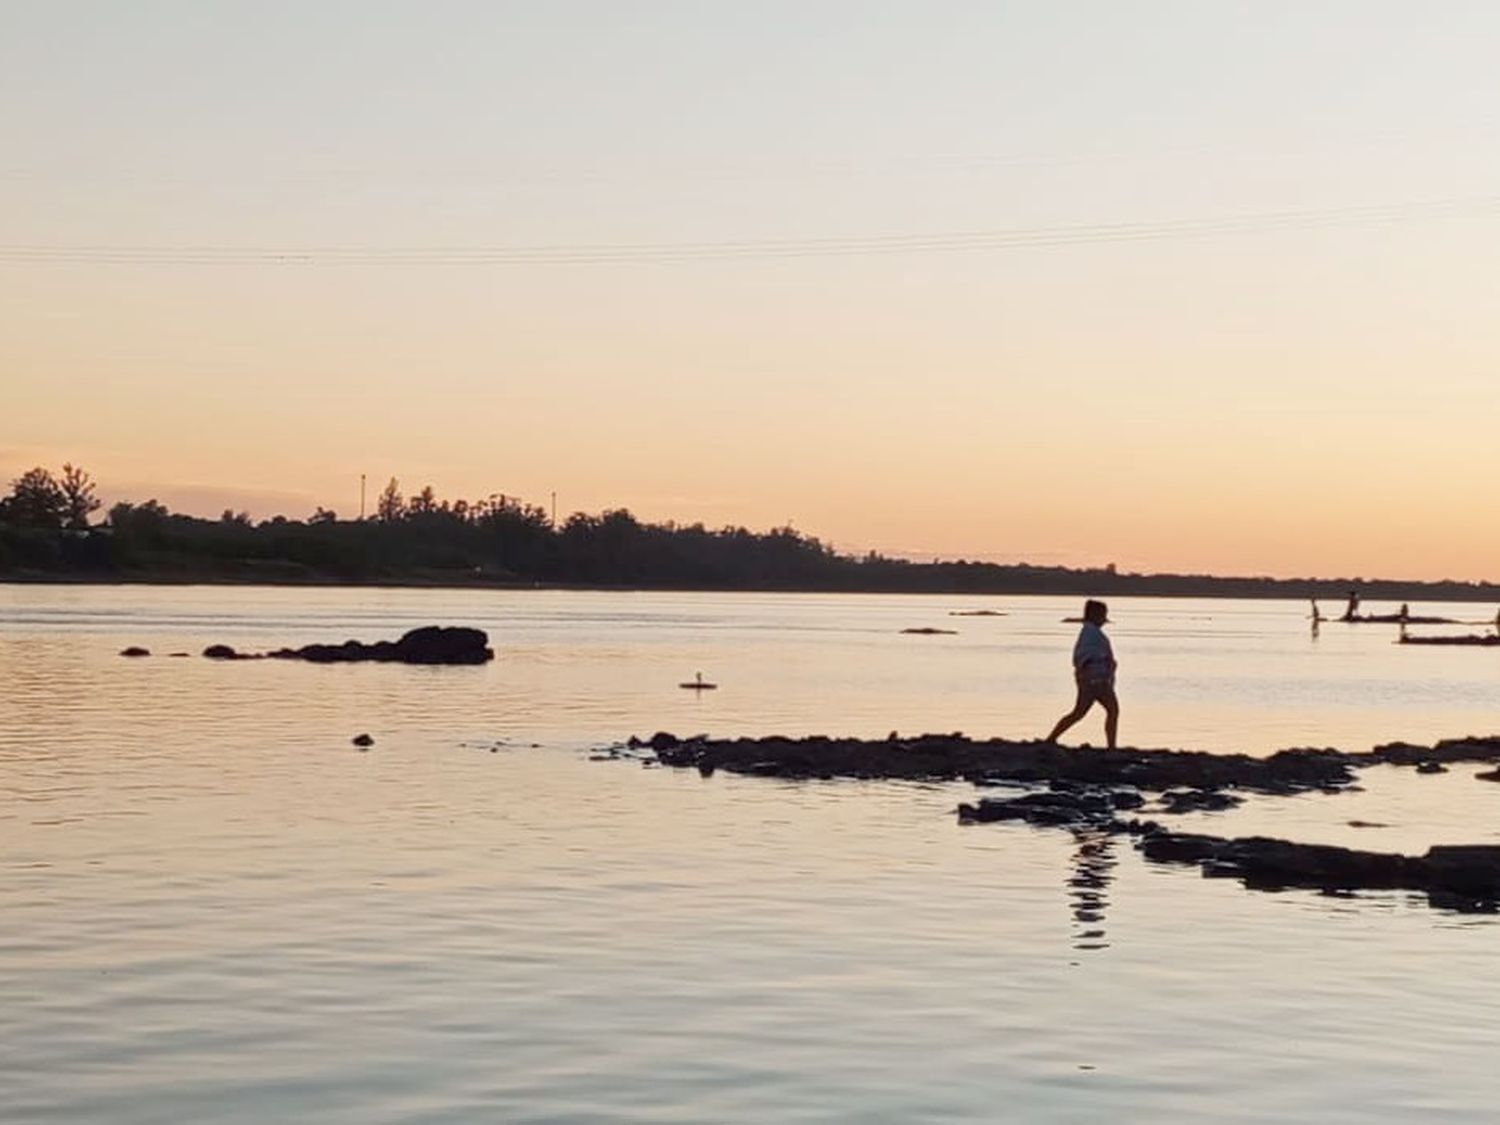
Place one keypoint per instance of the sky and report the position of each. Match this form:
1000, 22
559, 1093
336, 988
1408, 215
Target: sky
1178, 286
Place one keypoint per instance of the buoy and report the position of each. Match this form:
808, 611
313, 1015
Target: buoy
697, 683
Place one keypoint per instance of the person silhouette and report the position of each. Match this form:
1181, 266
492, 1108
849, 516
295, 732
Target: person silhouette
1094, 672
1353, 609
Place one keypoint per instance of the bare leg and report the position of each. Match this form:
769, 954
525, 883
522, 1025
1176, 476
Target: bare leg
1111, 715
1080, 709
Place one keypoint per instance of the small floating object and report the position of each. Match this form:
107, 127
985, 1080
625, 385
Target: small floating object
977, 613
698, 683
135, 650
929, 631
363, 740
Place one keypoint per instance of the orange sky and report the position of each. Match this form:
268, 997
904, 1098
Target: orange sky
1300, 385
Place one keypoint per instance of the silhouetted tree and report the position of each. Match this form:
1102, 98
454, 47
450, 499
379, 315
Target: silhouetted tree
323, 515
79, 501
423, 503
389, 508
36, 500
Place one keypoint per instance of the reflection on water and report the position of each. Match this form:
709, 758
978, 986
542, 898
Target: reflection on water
217, 909
1092, 861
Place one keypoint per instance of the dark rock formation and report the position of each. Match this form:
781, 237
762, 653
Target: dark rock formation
135, 650
1460, 876
431, 644
976, 613
1091, 809
1088, 788
362, 740
947, 757
929, 631
226, 652
1198, 800
1487, 640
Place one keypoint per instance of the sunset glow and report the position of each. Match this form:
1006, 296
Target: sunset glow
238, 278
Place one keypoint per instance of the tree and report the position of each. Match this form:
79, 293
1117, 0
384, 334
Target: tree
36, 500
79, 501
389, 508
423, 503
324, 515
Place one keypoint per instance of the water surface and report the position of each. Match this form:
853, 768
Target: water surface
216, 909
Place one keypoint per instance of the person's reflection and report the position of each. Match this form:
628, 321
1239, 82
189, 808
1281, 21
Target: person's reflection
1093, 860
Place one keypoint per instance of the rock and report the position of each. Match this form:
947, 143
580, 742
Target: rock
135, 650
1083, 809
222, 652
363, 740
1469, 869
662, 740
932, 757
431, 644
1431, 767
1197, 800
928, 631
1487, 775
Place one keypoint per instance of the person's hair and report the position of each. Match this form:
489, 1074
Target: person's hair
1095, 610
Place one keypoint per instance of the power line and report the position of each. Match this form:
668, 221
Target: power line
981, 240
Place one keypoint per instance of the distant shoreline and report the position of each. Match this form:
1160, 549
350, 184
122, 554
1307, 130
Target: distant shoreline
1332, 591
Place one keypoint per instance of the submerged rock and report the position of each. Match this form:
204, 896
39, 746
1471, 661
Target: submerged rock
135, 650
362, 740
1198, 800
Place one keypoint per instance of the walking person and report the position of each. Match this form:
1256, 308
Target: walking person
1094, 671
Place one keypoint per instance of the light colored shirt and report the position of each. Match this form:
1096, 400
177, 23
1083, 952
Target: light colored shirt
1092, 652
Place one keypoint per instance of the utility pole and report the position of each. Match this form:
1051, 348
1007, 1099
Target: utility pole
554, 508
361, 497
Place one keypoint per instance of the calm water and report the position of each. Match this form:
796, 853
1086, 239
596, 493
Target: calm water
215, 909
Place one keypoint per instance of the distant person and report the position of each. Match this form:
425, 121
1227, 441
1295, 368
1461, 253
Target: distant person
1353, 610
1317, 614
1497, 622
1405, 615
1094, 672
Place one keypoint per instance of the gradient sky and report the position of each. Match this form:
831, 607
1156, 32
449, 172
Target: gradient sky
1286, 363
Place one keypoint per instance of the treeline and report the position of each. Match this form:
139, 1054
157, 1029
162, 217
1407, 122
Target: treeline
48, 531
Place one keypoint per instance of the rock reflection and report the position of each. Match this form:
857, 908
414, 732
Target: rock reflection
1093, 866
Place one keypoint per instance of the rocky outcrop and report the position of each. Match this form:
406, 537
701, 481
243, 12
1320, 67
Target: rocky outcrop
952, 756
1088, 790
135, 650
1475, 640
228, 652
431, 644
1459, 876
